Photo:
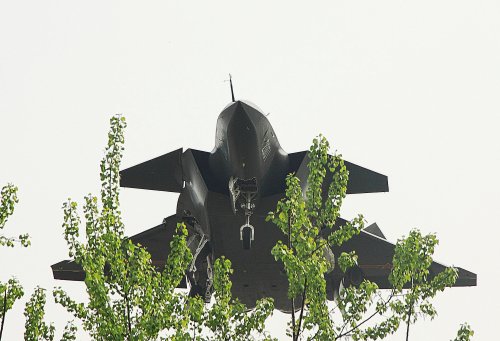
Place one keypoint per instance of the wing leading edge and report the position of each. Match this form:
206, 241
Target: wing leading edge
163, 173
361, 180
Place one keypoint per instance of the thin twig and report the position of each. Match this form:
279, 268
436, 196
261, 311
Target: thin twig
129, 325
409, 314
364, 321
4, 310
290, 247
302, 308
408, 322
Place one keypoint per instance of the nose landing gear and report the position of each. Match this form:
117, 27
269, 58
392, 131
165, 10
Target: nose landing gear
247, 234
243, 193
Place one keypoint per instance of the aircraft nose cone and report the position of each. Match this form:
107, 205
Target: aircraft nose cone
243, 141
243, 115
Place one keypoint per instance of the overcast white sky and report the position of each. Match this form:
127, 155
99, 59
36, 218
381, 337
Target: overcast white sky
408, 89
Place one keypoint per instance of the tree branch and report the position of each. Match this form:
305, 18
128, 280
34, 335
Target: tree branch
4, 310
365, 320
290, 247
409, 314
129, 324
408, 322
302, 308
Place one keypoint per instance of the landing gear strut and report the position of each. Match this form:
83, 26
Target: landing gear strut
199, 273
247, 234
243, 193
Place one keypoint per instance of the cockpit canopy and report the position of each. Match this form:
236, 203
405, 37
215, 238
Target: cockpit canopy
244, 141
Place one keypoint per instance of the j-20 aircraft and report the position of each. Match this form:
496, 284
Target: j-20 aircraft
225, 196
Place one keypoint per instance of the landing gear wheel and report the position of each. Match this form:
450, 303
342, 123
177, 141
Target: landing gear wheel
247, 237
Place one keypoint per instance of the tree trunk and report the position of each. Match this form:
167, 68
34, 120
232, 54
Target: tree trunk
4, 311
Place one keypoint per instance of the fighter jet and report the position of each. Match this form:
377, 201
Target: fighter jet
225, 196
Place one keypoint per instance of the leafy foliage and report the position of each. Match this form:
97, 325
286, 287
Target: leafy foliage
413, 287
412, 259
303, 219
69, 333
35, 329
227, 319
12, 290
129, 299
34, 311
7, 204
464, 333
306, 216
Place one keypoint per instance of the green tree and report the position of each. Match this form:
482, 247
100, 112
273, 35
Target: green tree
128, 298
35, 328
303, 216
227, 319
464, 333
412, 259
8, 202
34, 311
10, 293
12, 290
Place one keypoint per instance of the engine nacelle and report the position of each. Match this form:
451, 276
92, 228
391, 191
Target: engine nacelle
353, 277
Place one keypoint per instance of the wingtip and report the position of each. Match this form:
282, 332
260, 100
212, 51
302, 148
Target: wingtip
466, 278
68, 270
